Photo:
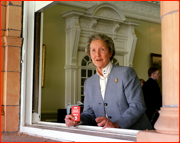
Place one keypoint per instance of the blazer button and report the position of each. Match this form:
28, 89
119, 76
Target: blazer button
109, 117
105, 104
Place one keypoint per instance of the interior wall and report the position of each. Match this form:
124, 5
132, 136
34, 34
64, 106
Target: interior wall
53, 92
148, 41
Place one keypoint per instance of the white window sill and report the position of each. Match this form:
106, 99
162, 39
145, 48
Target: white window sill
59, 131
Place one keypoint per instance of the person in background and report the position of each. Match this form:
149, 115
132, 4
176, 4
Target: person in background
152, 95
113, 97
142, 81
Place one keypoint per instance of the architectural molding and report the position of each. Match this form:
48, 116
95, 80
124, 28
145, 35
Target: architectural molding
105, 10
73, 33
168, 121
141, 10
70, 67
71, 86
80, 4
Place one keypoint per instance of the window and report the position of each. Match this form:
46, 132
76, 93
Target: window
115, 62
56, 130
87, 70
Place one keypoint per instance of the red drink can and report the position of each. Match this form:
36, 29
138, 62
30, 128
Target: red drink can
76, 111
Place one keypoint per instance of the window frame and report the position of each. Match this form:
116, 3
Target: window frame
27, 123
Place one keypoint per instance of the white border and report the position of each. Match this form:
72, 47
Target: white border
27, 64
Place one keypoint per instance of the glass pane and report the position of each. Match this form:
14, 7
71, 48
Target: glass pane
82, 81
114, 61
83, 63
87, 58
82, 99
83, 73
82, 90
89, 73
94, 71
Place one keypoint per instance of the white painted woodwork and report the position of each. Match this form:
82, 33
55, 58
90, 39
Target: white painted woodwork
40, 66
27, 64
61, 132
39, 6
143, 10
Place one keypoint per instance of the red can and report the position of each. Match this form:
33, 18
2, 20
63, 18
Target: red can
76, 112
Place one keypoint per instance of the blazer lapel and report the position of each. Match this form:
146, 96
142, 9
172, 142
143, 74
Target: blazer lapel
110, 76
98, 97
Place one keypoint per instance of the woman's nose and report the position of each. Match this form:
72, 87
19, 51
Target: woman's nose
98, 53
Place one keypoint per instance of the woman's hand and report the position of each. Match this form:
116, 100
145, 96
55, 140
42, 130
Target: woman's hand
105, 123
70, 122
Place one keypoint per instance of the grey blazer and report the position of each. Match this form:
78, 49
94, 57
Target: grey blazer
123, 100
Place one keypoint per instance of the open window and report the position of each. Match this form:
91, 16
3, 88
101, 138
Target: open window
66, 65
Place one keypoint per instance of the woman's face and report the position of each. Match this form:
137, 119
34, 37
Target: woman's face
100, 54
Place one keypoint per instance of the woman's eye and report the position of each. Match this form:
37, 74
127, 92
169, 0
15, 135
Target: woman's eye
93, 50
102, 49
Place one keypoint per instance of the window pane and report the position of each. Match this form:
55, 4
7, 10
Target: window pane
87, 58
82, 81
82, 99
94, 71
114, 61
82, 90
89, 73
83, 63
83, 73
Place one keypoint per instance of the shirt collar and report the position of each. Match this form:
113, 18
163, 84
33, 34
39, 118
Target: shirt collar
106, 70
152, 78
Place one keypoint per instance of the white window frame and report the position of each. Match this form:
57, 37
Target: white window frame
52, 130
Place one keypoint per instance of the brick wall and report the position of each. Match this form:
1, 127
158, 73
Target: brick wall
11, 41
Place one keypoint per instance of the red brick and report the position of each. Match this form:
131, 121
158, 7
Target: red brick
11, 118
12, 33
3, 17
19, 3
2, 122
12, 59
12, 41
14, 17
11, 88
2, 58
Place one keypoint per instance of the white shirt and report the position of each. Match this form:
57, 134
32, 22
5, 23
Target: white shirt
103, 79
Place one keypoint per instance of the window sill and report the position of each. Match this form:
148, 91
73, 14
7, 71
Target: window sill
61, 132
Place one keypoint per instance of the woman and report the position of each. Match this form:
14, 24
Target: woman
113, 96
